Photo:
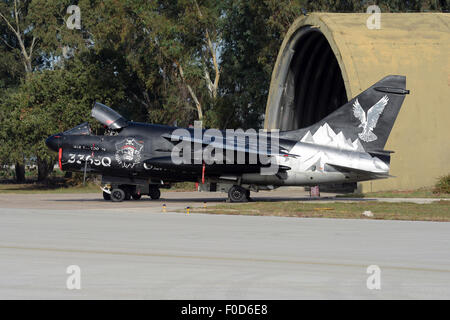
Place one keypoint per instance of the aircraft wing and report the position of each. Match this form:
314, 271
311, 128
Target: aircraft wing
214, 168
248, 147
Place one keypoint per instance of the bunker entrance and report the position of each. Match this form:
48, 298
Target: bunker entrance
314, 86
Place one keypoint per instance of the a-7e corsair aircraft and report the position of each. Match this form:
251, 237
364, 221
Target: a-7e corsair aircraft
139, 158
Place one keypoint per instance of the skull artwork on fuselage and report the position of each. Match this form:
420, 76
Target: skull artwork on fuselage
128, 153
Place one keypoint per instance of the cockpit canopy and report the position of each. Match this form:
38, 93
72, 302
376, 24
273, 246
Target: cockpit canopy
108, 117
82, 129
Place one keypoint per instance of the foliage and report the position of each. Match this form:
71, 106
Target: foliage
52, 101
443, 185
252, 34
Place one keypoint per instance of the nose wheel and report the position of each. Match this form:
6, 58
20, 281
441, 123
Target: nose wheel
118, 195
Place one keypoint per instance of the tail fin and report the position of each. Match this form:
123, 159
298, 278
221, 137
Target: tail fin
368, 118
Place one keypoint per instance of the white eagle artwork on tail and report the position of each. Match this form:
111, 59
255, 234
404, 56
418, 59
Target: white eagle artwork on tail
369, 122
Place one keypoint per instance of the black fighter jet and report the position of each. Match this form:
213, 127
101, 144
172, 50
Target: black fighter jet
138, 159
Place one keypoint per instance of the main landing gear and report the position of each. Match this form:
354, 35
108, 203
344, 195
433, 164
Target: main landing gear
154, 193
238, 194
120, 193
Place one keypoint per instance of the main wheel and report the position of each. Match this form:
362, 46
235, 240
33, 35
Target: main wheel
106, 196
117, 195
154, 193
237, 194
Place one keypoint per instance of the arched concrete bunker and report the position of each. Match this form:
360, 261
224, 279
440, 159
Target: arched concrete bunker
327, 58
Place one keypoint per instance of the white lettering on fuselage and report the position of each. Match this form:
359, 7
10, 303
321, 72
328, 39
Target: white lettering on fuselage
96, 161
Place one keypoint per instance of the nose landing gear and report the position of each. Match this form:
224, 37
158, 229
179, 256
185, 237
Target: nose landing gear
119, 193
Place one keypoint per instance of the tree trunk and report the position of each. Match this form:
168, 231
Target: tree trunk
44, 169
20, 173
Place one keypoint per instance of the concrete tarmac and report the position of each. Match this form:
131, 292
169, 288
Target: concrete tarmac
173, 199
133, 250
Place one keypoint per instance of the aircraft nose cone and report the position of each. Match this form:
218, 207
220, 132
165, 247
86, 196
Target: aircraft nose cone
52, 142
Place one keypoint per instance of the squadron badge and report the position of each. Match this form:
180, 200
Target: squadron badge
128, 153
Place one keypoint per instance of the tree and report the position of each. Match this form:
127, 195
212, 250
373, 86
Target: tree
22, 30
53, 101
19, 43
12, 14
35, 33
185, 37
252, 34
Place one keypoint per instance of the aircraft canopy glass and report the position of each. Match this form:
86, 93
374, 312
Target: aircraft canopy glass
82, 129
108, 116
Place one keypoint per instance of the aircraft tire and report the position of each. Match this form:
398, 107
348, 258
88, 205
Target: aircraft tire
154, 193
237, 194
106, 196
117, 195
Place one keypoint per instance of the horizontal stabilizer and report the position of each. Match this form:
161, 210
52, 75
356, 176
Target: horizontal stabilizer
383, 152
373, 175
